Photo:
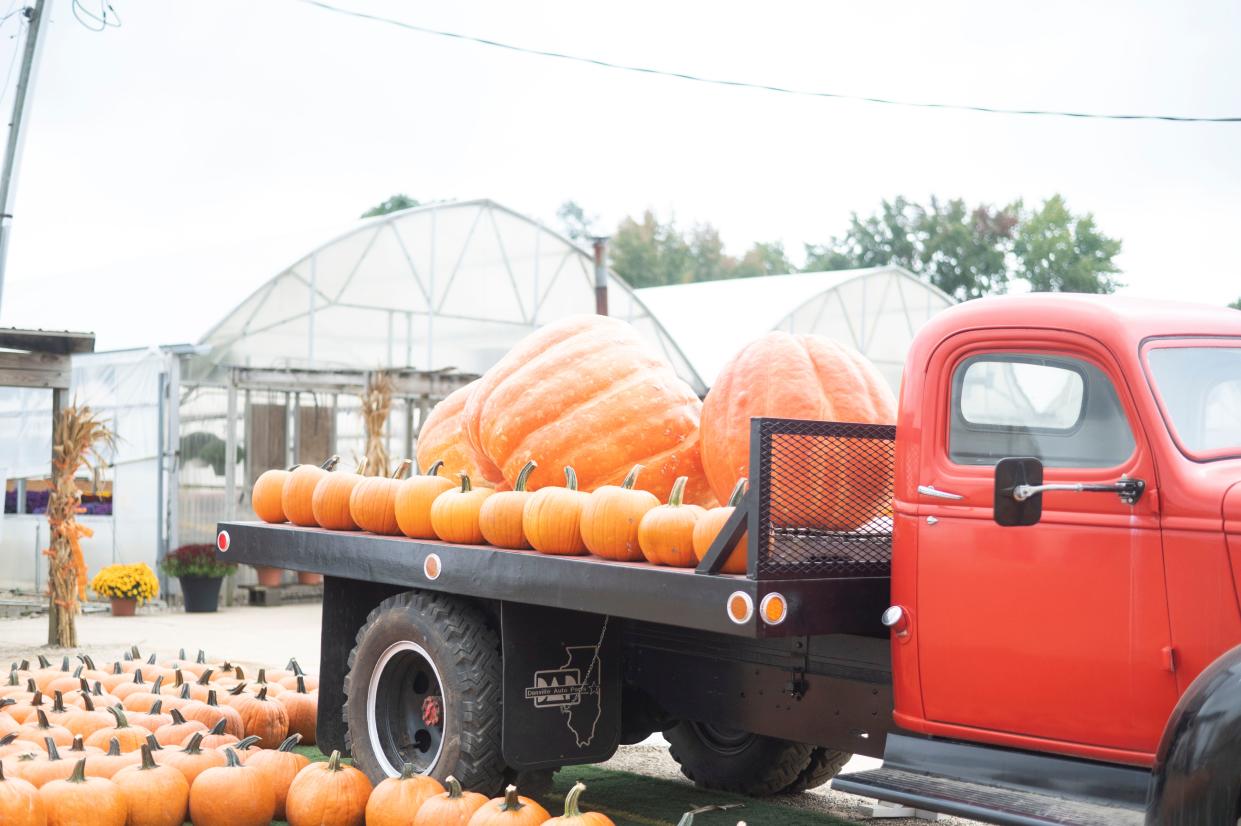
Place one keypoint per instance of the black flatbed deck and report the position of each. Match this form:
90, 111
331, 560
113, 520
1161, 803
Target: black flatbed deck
679, 597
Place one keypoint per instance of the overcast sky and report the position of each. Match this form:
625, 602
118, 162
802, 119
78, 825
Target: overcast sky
175, 163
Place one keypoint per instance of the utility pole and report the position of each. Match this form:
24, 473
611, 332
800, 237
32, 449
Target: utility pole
21, 97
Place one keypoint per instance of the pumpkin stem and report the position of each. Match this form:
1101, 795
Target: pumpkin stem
86, 658
79, 772
333, 762
87, 702
159, 682
401, 469
434, 470
43, 723
570, 478
454, 787
148, 761
465, 483
301, 684
138, 678
734, 498
570, 800
2, 777
202, 657
157, 707
247, 742
14, 679
261, 679
236, 690
212, 699
7, 701
361, 468
295, 667
331, 462
153, 743
630, 480
181, 654
206, 676
121, 720
8, 738
134, 652
238, 673
78, 743
151, 659
50, 745
523, 476
178, 678
512, 803
194, 744
185, 692
30, 686
64, 664
231, 757
177, 717
407, 771
289, 742
116, 668
44, 662
58, 704
114, 747
262, 695
218, 728
678, 492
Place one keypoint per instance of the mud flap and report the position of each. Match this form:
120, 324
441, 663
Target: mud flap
562, 691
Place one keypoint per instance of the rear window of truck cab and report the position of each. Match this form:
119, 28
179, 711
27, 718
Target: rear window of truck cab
1061, 410
1198, 385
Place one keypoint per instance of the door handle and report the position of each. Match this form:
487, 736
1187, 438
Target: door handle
929, 490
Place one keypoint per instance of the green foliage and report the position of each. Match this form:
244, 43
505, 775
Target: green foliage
394, 204
1236, 305
1060, 252
574, 222
195, 560
208, 448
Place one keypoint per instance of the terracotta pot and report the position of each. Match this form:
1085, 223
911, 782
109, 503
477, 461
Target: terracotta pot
269, 577
307, 578
124, 607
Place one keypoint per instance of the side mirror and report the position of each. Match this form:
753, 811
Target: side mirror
1009, 473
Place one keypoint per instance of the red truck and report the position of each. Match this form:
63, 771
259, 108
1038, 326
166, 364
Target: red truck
1041, 627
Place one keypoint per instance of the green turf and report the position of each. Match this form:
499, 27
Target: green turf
634, 800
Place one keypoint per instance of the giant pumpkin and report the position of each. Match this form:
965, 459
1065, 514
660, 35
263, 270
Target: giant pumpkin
585, 391
815, 482
442, 438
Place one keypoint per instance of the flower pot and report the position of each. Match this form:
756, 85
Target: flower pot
123, 607
269, 577
201, 593
307, 578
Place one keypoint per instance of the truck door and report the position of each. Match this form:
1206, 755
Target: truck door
1058, 630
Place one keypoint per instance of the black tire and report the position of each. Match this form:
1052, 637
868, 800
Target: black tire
727, 760
463, 655
824, 765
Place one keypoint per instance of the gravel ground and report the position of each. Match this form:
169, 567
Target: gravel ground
270, 636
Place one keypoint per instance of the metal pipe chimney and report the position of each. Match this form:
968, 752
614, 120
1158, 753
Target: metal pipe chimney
600, 244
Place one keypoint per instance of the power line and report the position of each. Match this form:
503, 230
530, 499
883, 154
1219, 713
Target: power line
764, 87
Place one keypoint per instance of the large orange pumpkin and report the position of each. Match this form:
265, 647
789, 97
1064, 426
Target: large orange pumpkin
443, 439
20, 804
452, 808
232, 795
264, 718
709, 525
395, 800
372, 504
156, 795
552, 518
500, 516
414, 498
585, 391
510, 810
328, 794
454, 513
302, 708
800, 377
81, 799
298, 491
666, 533
282, 765
610, 519
267, 495
329, 503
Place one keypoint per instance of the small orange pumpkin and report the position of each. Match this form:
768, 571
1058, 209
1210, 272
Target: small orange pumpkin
267, 494
232, 795
414, 498
574, 816
294, 671
20, 804
709, 525
40, 728
178, 730
192, 760
155, 795
328, 794
282, 765
372, 504
510, 810
209, 712
264, 718
452, 808
80, 799
454, 513
610, 519
666, 533
43, 770
329, 504
500, 518
552, 518
150, 720
302, 708
395, 799
130, 737
299, 489
112, 761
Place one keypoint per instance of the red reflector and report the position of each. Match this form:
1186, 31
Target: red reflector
221, 541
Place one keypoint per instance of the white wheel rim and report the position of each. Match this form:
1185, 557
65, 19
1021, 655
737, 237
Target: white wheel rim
372, 691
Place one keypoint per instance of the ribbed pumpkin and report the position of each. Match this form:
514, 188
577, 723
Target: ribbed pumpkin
267, 495
372, 504
282, 765
552, 518
130, 737
299, 489
610, 519
263, 717
500, 518
232, 795
443, 438
827, 484
50, 767
20, 804
394, 801
209, 712
709, 525
510, 810
328, 794
302, 708
454, 513
585, 391
152, 720
191, 760
451, 808
111, 761
40, 728
574, 816
80, 799
329, 504
176, 732
666, 533
155, 795
414, 498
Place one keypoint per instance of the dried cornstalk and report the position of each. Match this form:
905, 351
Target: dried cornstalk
78, 440
376, 404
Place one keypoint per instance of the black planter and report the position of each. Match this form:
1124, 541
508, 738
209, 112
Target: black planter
202, 593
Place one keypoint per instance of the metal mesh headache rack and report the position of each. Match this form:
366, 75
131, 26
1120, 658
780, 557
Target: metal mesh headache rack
820, 501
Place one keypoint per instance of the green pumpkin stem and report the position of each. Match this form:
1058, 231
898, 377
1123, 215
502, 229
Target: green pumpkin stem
734, 498
289, 742
138, 678
524, 475
294, 667
301, 684
631, 479
570, 800
178, 678
158, 684
64, 664
195, 744
330, 463
401, 469
201, 659
218, 728
79, 772
512, 803
58, 704
434, 470
50, 745
116, 668
121, 720
262, 695
7, 701
333, 762
134, 653
466, 487
230, 757
236, 690
570, 478
246, 742
87, 702
205, 677
407, 771
157, 708
8, 738
151, 659
177, 717
185, 692
181, 654
678, 492
454, 787
153, 744
44, 662
2, 777
148, 760
114, 747
261, 679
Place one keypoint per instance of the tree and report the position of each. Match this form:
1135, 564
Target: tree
574, 221
764, 258
394, 204
1058, 252
1236, 305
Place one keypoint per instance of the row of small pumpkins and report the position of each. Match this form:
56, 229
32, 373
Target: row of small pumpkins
586, 393
620, 522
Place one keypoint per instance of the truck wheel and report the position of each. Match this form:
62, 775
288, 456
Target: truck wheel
424, 688
730, 760
824, 765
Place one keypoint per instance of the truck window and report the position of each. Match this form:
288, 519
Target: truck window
1063, 411
1200, 388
